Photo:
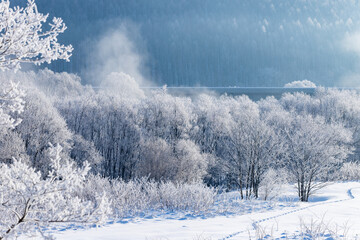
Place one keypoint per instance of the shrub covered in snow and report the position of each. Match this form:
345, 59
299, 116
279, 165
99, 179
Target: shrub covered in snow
28, 200
272, 183
139, 196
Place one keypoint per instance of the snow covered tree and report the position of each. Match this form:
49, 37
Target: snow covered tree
167, 116
213, 124
11, 102
111, 125
28, 200
23, 40
83, 151
12, 146
314, 148
336, 106
191, 164
156, 160
42, 124
160, 161
314, 134
251, 145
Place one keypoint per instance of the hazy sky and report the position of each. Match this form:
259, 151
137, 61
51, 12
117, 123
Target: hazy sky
213, 42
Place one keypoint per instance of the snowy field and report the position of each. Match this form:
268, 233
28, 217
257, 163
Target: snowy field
333, 213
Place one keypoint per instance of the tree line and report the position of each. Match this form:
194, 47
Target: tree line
227, 141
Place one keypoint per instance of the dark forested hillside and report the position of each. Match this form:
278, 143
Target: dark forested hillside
220, 42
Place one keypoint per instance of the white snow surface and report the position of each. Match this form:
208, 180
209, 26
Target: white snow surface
337, 206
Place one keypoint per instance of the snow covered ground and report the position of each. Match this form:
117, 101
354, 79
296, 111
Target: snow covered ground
333, 211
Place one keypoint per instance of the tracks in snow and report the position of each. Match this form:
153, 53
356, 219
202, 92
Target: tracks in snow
254, 224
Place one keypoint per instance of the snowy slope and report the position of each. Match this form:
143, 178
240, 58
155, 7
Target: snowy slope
337, 206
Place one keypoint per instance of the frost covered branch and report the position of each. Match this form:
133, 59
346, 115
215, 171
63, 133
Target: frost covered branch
10, 102
27, 199
23, 40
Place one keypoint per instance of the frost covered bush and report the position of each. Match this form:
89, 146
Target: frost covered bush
186, 197
133, 197
182, 162
320, 228
136, 197
27, 201
272, 183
